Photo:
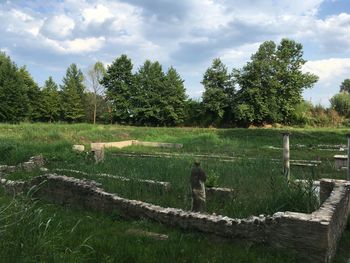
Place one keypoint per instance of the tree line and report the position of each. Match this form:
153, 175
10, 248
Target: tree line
268, 89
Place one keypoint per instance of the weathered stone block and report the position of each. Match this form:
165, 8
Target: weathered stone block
340, 161
78, 148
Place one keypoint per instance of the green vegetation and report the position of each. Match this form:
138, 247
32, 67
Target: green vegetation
254, 149
266, 91
41, 232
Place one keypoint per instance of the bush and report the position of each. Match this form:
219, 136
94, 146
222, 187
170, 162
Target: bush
341, 103
212, 180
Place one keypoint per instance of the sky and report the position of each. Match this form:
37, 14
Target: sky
47, 36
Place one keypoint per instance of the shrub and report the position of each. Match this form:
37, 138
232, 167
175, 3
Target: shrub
341, 103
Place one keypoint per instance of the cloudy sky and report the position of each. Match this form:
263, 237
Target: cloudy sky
48, 36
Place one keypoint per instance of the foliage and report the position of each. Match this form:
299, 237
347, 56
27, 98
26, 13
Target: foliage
150, 80
73, 94
96, 108
212, 179
193, 112
307, 114
218, 91
345, 86
119, 82
95, 75
271, 85
341, 103
174, 98
51, 101
13, 92
35, 98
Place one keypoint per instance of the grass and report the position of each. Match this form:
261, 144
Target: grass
19, 142
40, 232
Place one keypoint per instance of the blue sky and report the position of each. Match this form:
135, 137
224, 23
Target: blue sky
48, 36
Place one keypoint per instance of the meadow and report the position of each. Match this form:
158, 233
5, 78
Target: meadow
49, 232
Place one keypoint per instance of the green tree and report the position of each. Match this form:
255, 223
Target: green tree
98, 114
75, 77
193, 112
13, 95
341, 103
174, 98
34, 94
95, 76
73, 95
256, 100
149, 102
345, 86
271, 84
292, 81
218, 90
51, 101
119, 84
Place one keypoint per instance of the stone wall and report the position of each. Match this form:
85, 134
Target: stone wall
34, 162
122, 144
313, 236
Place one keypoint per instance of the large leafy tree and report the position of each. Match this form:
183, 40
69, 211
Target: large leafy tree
119, 84
95, 76
73, 95
345, 86
34, 95
271, 84
13, 95
51, 101
256, 98
218, 89
174, 98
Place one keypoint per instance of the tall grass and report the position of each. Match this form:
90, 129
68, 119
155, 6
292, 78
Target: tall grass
272, 195
33, 231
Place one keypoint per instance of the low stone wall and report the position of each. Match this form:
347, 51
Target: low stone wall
166, 186
34, 162
313, 236
158, 144
122, 144
221, 194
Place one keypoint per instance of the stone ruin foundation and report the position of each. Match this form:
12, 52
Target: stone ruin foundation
313, 236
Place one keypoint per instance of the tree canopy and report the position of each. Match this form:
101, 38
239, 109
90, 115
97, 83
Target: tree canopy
218, 90
271, 84
345, 86
118, 82
73, 94
13, 92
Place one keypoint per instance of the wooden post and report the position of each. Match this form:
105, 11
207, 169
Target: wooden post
348, 157
286, 156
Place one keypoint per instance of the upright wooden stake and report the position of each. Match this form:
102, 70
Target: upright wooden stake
348, 157
286, 156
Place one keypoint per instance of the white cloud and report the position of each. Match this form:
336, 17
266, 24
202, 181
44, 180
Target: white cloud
98, 14
20, 23
330, 69
78, 45
58, 26
331, 73
209, 14
237, 57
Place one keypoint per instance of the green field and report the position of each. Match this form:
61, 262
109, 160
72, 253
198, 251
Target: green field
74, 235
